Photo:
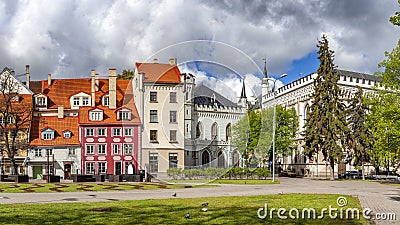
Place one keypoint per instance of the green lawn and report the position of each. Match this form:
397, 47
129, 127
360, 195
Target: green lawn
78, 187
224, 181
221, 210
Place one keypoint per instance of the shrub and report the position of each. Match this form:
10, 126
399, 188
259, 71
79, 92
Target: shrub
175, 173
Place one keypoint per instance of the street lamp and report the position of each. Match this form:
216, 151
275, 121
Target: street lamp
274, 125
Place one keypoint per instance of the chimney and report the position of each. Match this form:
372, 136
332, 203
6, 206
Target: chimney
28, 76
112, 88
172, 61
49, 79
155, 60
92, 86
141, 78
96, 78
60, 112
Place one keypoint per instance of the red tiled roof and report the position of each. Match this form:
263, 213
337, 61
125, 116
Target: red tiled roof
60, 91
58, 125
159, 73
110, 115
22, 107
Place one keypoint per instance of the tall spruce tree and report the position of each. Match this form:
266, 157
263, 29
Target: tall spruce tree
326, 128
360, 138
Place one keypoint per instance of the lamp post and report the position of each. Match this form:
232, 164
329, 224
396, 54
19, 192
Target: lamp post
274, 126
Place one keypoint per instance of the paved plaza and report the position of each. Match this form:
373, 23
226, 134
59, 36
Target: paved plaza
380, 198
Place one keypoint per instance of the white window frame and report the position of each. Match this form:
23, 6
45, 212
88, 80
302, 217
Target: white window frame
67, 134
38, 152
96, 115
116, 149
102, 128
91, 149
128, 132
101, 170
114, 132
104, 151
85, 101
89, 168
75, 101
106, 101
124, 115
128, 149
41, 101
89, 134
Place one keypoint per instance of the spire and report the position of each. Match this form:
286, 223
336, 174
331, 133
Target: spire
265, 68
243, 94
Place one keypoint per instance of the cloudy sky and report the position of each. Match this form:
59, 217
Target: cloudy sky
219, 41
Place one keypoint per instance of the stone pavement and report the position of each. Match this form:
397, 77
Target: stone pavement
380, 198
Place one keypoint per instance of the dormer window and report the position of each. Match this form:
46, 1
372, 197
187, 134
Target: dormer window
67, 134
124, 115
41, 101
80, 99
15, 98
96, 115
48, 134
85, 101
106, 101
76, 101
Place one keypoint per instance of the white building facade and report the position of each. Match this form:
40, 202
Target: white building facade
297, 95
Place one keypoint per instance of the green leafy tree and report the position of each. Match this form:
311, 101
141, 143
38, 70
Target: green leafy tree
396, 18
385, 113
326, 128
126, 75
360, 138
245, 135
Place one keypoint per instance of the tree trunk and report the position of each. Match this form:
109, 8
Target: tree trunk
362, 170
332, 164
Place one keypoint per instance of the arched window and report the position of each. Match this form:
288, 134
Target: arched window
199, 130
214, 131
235, 159
205, 158
228, 131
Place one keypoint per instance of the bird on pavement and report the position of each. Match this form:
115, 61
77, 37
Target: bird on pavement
187, 216
174, 195
280, 193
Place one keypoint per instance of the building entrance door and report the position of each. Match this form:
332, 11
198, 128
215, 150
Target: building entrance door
118, 168
67, 171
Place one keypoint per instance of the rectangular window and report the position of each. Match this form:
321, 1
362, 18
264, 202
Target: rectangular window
10, 120
101, 131
49, 151
85, 101
102, 167
89, 131
124, 115
41, 101
2, 120
128, 149
38, 152
75, 102
89, 149
127, 131
153, 136
172, 97
115, 149
106, 101
47, 135
153, 116
71, 152
116, 132
172, 136
153, 162
90, 168
101, 149
96, 116
172, 116
153, 96
173, 160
